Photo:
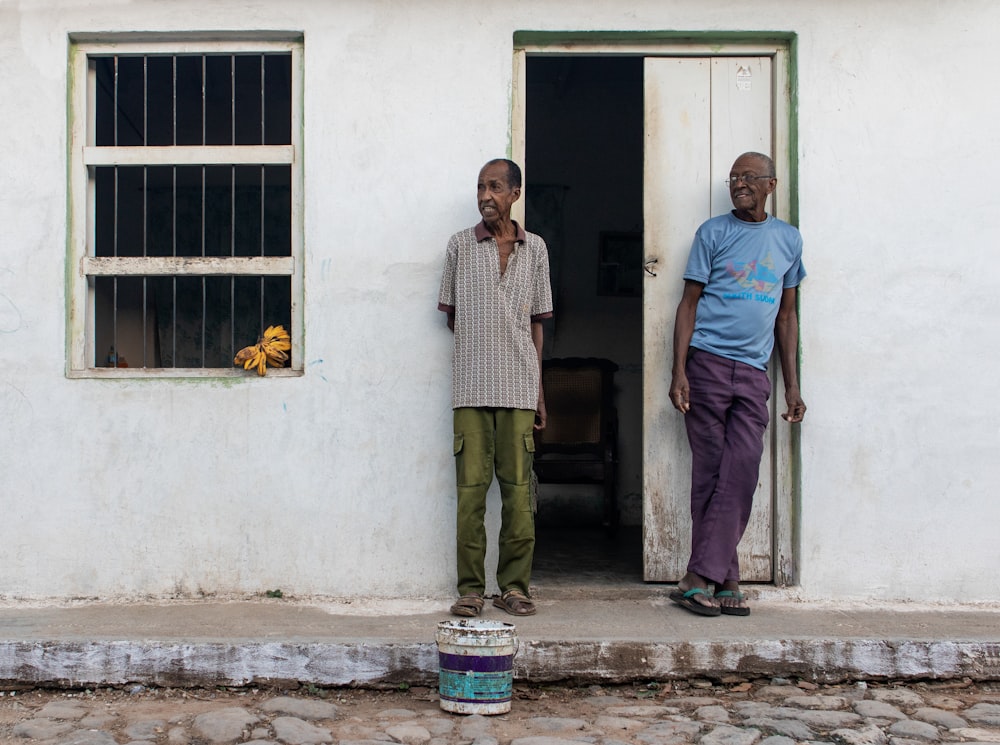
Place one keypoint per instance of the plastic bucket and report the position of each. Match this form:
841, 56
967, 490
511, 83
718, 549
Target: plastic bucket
476, 658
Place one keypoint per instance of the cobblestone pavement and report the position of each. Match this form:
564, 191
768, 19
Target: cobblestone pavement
776, 712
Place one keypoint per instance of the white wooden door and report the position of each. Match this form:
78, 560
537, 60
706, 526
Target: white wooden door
700, 114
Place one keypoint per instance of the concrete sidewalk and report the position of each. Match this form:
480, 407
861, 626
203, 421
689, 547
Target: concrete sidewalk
633, 635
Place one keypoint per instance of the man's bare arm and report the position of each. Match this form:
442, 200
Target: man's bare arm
537, 337
680, 391
786, 336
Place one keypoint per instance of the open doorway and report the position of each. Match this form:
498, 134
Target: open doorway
604, 127
584, 195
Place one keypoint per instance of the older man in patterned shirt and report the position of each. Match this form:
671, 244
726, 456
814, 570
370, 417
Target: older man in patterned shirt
496, 291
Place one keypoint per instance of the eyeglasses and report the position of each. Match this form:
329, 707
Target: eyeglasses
746, 178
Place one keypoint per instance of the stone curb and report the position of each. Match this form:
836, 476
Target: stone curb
370, 663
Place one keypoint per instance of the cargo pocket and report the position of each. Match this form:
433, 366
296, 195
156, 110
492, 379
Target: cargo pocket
526, 460
473, 463
529, 442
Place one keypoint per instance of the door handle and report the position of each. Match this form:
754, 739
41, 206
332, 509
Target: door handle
651, 262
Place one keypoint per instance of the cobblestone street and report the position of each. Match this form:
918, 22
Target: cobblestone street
776, 712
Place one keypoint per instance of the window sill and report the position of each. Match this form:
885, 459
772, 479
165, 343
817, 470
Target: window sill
185, 373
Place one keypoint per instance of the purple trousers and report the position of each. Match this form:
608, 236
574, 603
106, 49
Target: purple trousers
725, 428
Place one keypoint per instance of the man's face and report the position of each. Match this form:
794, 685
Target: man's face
749, 194
494, 194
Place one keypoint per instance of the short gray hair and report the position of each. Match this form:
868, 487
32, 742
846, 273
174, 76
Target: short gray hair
771, 173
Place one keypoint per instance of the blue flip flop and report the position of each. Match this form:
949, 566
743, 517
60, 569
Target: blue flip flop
732, 610
686, 600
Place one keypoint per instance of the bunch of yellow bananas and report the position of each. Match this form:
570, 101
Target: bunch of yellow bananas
271, 349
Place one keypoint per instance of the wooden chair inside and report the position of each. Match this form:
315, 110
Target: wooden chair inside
579, 444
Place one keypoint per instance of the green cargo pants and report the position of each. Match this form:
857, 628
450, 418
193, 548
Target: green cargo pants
486, 440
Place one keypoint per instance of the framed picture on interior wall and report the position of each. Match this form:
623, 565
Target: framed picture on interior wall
619, 268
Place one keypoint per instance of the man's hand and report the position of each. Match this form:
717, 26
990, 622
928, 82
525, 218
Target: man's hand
680, 392
796, 406
540, 415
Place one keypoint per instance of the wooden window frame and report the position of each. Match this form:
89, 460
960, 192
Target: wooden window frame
84, 157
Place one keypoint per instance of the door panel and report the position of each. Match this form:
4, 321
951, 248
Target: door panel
700, 114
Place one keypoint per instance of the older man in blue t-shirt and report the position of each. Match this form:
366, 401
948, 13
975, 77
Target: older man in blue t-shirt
740, 291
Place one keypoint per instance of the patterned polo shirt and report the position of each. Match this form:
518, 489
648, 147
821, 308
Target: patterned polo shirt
495, 363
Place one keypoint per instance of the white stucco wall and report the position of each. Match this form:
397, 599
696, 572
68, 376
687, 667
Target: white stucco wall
340, 482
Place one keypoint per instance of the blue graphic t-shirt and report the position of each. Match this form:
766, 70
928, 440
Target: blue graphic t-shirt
744, 266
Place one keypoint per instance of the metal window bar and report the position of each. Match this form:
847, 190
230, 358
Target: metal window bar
263, 88
173, 219
115, 348
232, 200
263, 186
203, 238
145, 196
232, 252
204, 140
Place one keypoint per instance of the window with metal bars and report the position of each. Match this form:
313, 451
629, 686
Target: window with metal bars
189, 228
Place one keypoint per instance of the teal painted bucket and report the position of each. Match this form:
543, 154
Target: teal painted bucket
476, 661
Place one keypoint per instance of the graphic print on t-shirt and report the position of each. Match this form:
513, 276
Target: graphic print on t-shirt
756, 277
